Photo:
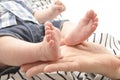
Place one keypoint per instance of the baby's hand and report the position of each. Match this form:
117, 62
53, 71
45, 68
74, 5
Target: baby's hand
58, 7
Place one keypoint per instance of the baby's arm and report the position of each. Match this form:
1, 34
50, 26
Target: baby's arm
49, 14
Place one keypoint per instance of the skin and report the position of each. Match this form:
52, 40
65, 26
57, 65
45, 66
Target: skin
85, 57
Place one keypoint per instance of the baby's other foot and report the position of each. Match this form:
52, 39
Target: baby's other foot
83, 30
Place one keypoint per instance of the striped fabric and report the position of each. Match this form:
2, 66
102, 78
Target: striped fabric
102, 38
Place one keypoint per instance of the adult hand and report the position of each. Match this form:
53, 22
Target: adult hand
86, 57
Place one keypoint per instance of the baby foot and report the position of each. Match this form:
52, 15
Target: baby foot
83, 30
50, 46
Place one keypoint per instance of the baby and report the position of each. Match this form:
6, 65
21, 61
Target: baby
23, 42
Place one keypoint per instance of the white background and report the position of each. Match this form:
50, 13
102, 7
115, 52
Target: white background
108, 12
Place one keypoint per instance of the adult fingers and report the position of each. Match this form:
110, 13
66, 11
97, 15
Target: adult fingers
35, 70
63, 66
26, 67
